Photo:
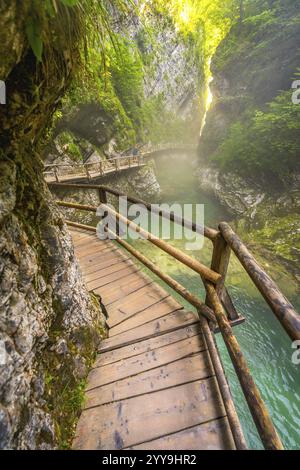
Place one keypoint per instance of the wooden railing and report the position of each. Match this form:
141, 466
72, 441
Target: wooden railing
217, 307
58, 171
61, 171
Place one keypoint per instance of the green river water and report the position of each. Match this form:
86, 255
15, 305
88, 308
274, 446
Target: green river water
262, 339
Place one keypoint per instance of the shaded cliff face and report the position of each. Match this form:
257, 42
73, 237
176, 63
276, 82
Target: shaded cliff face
256, 61
49, 326
254, 65
150, 93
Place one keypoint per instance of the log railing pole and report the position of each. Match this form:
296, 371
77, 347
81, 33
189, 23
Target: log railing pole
220, 263
182, 291
234, 422
87, 171
278, 303
177, 254
260, 414
191, 263
56, 174
208, 232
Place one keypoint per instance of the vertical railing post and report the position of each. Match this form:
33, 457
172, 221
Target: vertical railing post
220, 262
100, 168
102, 196
56, 174
87, 172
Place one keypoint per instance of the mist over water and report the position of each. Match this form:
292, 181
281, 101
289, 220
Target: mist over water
264, 342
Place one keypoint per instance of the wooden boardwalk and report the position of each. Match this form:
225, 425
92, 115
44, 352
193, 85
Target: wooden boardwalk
153, 385
84, 173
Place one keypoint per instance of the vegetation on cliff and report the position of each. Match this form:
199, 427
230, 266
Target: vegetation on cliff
254, 69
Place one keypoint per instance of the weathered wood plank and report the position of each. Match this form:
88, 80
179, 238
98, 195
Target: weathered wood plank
98, 255
93, 248
151, 359
174, 321
102, 272
176, 373
158, 310
140, 419
150, 296
148, 345
99, 265
215, 435
113, 277
130, 285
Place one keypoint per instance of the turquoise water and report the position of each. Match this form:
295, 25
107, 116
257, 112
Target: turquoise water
262, 339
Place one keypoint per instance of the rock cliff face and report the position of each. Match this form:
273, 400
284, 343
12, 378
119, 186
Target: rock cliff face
171, 77
256, 61
49, 325
252, 66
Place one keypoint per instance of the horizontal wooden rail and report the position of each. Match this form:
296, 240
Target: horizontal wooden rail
82, 164
237, 432
208, 232
191, 263
281, 307
256, 405
213, 278
182, 291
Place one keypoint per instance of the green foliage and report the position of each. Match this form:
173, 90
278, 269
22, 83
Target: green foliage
265, 141
69, 146
34, 37
126, 69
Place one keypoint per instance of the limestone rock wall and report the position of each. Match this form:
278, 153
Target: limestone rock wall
49, 325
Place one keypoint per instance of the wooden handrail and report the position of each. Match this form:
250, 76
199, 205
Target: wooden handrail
208, 232
256, 405
205, 314
281, 307
191, 263
226, 237
224, 241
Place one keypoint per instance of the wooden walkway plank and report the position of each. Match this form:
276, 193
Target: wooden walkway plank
156, 342
113, 277
145, 361
158, 310
215, 435
179, 372
171, 322
129, 285
133, 421
153, 385
103, 272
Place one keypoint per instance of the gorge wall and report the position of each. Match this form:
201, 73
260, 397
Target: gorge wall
49, 325
247, 150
